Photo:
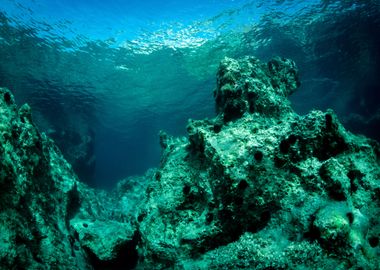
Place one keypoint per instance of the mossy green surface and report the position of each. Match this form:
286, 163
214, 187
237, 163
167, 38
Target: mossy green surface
257, 187
260, 187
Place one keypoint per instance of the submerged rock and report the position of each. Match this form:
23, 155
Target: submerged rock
48, 219
257, 187
38, 196
260, 187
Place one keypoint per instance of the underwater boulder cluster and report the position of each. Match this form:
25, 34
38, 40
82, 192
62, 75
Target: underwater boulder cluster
256, 187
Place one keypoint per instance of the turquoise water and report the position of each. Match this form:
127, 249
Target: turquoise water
103, 77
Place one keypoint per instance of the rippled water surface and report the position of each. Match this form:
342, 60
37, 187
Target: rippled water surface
103, 77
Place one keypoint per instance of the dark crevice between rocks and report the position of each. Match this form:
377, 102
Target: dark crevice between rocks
373, 241
7, 98
261, 218
350, 217
232, 230
252, 97
243, 185
334, 187
376, 195
279, 162
258, 156
287, 143
329, 121
313, 232
73, 204
332, 143
234, 109
355, 177
336, 192
331, 146
127, 257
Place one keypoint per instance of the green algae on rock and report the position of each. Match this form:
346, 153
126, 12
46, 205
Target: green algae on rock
42, 202
37, 187
256, 187
261, 187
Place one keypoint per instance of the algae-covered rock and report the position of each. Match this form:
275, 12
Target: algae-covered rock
256, 187
250, 85
48, 219
36, 201
260, 187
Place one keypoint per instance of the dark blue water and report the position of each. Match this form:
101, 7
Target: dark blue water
103, 77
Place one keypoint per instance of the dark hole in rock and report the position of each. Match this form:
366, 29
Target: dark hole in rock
76, 235
251, 106
350, 217
336, 192
38, 145
126, 258
297, 171
141, 217
279, 162
373, 241
225, 215
186, 189
265, 216
7, 98
313, 233
284, 146
217, 128
85, 225
259, 156
218, 99
355, 174
376, 194
73, 203
331, 146
158, 175
259, 222
234, 110
242, 185
14, 134
292, 139
251, 95
329, 121
209, 217
239, 201
201, 147
211, 204
355, 177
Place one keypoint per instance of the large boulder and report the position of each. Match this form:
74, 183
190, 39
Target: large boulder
260, 187
39, 196
48, 219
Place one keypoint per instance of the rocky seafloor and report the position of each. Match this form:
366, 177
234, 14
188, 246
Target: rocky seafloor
256, 187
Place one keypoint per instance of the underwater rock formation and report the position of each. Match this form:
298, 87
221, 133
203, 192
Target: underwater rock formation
50, 220
78, 148
260, 187
38, 196
256, 187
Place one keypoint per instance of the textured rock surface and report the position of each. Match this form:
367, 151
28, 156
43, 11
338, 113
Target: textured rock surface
260, 187
38, 196
49, 220
257, 187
